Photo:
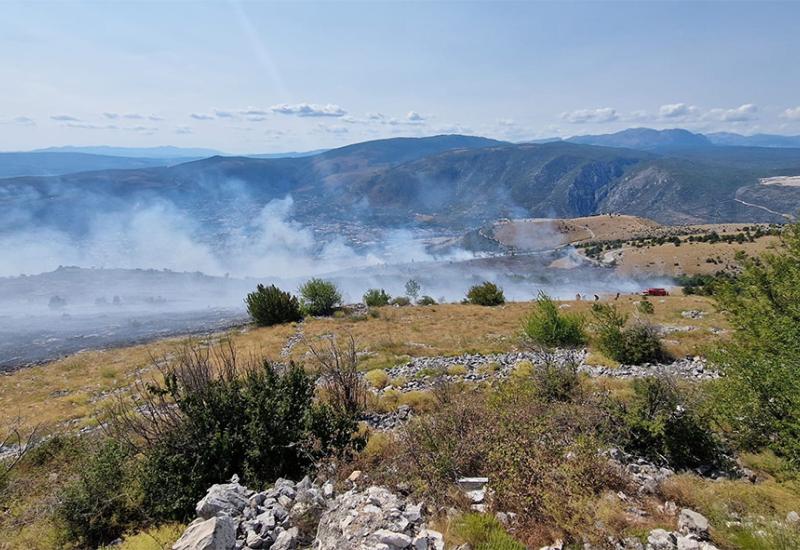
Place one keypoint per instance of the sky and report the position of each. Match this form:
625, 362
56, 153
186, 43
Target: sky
273, 77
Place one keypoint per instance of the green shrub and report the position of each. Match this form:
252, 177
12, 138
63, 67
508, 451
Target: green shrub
758, 399
104, 500
401, 301
662, 425
212, 417
271, 306
486, 294
632, 344
375, 297
320, 297
645, 307
547, 326
484, 532
426, 301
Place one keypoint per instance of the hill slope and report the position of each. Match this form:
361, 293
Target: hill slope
452, 182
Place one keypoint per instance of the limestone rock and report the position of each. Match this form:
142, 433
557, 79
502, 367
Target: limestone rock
216, 533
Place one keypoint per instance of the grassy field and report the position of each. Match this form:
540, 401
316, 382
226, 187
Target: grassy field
68, 393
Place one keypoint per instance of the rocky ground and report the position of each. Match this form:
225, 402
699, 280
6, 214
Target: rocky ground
313, 516
423, 372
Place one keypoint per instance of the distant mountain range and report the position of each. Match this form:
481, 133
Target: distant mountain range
447, 182
162, 152
648, 139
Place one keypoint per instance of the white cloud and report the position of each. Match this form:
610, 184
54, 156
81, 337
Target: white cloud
309, 110
679, 111
90, 126
201, 116
743, 113
183, 130
221, 113
19, 120
65, 118
413, 116
131, 116
791, 114
581, 116
337, 130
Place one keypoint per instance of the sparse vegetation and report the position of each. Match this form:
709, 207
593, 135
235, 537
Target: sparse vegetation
400, 301
548, 327
486, 294
376, 297
426, 301
320, 297
271, 306
645, 307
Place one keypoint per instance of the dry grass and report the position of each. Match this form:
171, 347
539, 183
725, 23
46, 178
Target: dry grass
688, 258
70, 391
742, 514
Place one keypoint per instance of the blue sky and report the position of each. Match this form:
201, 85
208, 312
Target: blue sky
263, 77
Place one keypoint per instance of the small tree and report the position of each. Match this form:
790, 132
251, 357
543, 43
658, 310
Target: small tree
412, 289
645, 307
759, 396
486, 294
632, 345
271, 306
320, 297
375, 297
547, 326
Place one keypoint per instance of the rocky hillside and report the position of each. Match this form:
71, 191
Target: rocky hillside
450, 182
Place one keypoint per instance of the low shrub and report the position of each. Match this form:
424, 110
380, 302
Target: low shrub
271, 306
661, 425
426, 301
486, 294
377, 378
645, 307
632, 344
457, 370
376, 297
541, 457
320, 297
105, 499
547, 326
401, 301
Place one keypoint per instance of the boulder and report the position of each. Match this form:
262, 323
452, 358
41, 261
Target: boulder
287, 540
692, 523
659, 539
227, 499
216, 533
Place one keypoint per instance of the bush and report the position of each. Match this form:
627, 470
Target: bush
758, 399
104, 500
547, 326
376, 298
271, 306
426, 301
631, 345
320, 297
645, 307
541, 457
663, 427
377, 378
486, 294
213, 417
401, 301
